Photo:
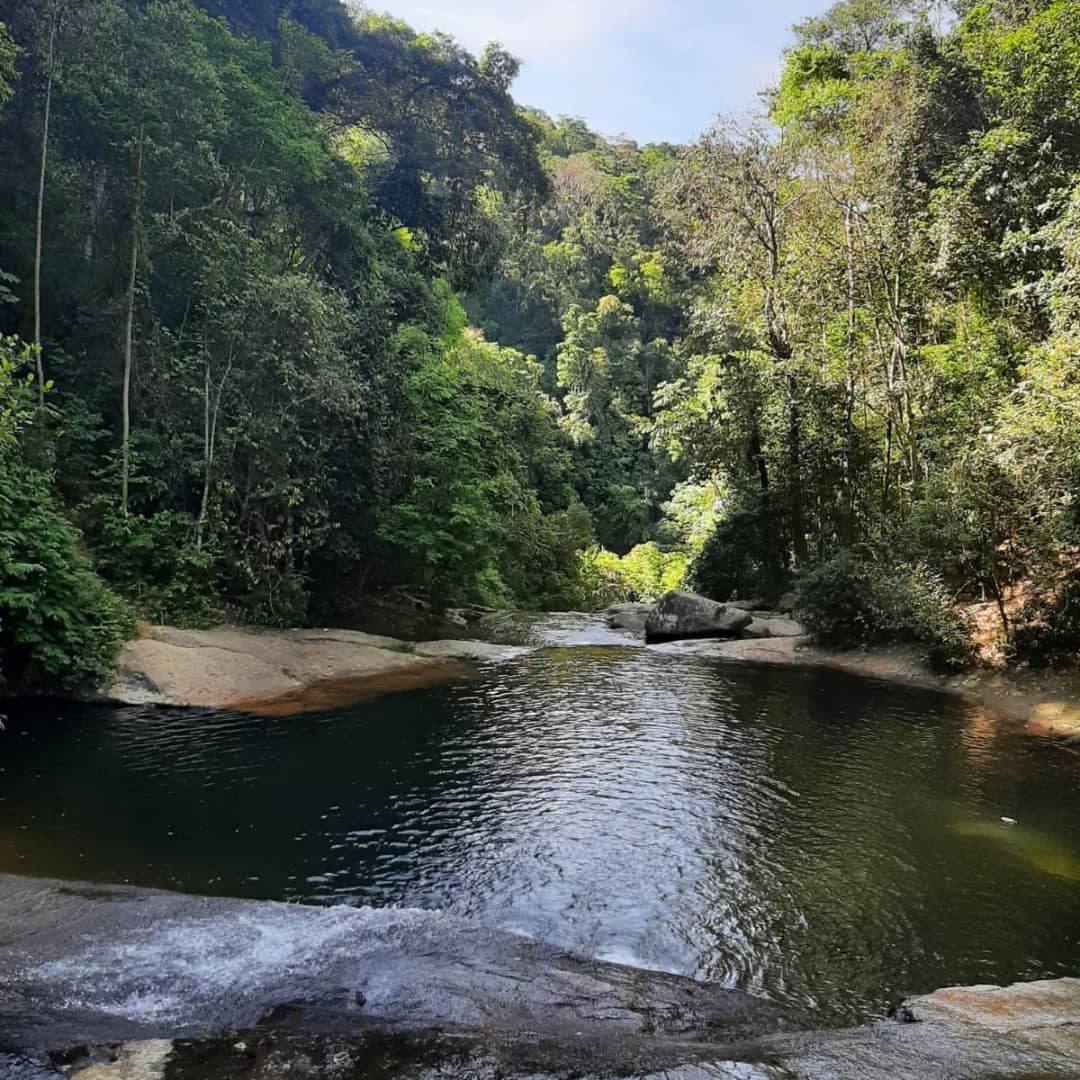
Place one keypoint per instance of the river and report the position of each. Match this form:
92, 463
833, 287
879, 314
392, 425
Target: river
831, 843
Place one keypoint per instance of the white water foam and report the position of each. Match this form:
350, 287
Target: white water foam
169, 971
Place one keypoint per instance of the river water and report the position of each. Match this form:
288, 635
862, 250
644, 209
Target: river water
830, 842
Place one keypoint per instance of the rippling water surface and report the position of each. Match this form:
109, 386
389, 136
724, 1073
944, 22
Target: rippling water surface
831, 842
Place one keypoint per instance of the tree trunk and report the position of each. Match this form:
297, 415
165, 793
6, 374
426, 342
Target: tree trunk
129, 331
39, 223
756, 455
208, 453
794, 448
848, 464
211, 411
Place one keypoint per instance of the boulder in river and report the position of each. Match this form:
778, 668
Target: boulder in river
681, 615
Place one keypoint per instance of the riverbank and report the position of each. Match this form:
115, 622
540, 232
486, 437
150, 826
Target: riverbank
280, 672
110, 983
284, 672
1038, 702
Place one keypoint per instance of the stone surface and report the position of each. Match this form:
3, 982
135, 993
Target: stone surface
763, 627
630, 616
469, 650
237, 668
134, 1061
105, 983
93, 964
1043, 1014
680, 615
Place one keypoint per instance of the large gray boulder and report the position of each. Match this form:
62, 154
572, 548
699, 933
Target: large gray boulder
681, 615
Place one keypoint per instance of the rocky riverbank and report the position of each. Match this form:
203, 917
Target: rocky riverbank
1040, 702
280, 672
1037, 702
105, 983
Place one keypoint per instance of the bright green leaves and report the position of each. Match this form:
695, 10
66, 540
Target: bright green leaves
17, 391
597, 370
58, 621
479, 427
816, 87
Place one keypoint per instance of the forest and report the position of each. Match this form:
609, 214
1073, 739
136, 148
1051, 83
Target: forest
298, 305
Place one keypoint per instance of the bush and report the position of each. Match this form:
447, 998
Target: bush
838, 603
541, 562
154, 563
599, 581
645, 573
59, 623
847, 602
649, 572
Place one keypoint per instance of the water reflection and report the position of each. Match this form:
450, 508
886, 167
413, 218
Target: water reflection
832, 842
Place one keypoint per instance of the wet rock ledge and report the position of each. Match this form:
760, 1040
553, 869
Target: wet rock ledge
103, 983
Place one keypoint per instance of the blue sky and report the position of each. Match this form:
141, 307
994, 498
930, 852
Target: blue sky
652, 69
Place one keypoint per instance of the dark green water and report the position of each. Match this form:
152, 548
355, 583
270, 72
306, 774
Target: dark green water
829, 841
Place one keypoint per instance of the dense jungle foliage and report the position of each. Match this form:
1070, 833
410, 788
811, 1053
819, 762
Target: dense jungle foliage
301, 305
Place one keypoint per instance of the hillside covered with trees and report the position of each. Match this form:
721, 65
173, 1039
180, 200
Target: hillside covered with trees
300, 305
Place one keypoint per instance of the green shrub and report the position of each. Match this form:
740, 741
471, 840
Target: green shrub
838, 602
848, 602
649, 572
645, 573
598, 580
153, 562
541, 565
928, 618
279, 600
60, 624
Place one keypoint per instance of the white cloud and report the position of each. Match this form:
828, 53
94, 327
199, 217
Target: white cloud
541, 28
658, 69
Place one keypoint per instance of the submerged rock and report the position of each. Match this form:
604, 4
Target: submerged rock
681, 615
469, 650
99, 964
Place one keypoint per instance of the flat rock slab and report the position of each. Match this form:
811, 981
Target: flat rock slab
106, 983
1044, 1014
782, 651
631, 620
773, 627
99, 964
287, 671
478, 651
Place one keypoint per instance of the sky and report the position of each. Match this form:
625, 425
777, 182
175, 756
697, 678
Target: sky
652, 69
